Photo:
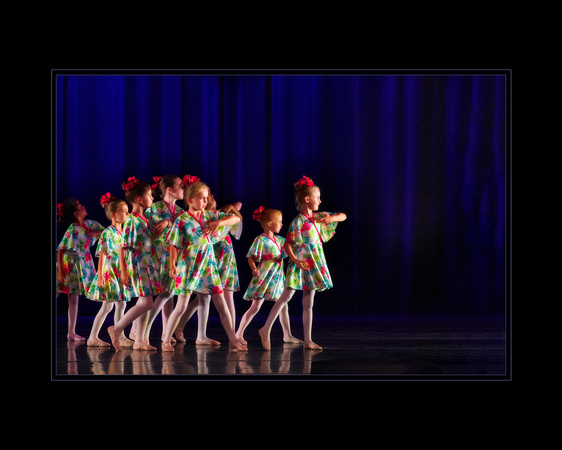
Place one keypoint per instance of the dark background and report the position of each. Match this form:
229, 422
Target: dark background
417, 160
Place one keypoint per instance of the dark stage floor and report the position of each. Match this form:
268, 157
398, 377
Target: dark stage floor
373, 347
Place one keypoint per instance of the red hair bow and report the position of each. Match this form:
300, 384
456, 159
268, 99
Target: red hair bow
157, 180
106, 199
188, 179
258, 213
59, 210
305, 181
131, 182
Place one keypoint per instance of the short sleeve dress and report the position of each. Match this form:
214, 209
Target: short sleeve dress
306, 237
196, 265
141, 264
163, 211
78, 264
113, 290
226, 259
268, 254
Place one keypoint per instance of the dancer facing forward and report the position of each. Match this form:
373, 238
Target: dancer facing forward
265, 258
308, 270
193, 267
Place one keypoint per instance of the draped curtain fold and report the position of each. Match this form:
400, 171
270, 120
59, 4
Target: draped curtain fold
417, 162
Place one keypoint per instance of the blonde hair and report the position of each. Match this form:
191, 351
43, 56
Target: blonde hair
268, 215
191, 190
112, 206
303, 191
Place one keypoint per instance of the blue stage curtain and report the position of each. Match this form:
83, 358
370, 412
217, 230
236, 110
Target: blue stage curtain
416, 161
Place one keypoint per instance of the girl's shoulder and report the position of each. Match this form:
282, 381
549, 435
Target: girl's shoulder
184, 217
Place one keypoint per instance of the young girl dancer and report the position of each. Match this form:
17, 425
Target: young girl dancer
228, 270
136, 263
308, 270
268, 278
192, 260
105, 286
75, 266
163, 213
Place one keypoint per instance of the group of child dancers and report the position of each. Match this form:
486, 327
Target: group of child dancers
159, 249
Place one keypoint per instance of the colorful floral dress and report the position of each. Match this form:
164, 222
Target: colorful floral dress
77, 262
157, 212
268, 255
113, 290
196, 264
141, 264
306, 237
226, 260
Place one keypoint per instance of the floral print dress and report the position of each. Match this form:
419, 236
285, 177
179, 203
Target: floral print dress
113, 290
141, 264
226, 260
157, 212
306, 237
268, 254
78, 264
196, 265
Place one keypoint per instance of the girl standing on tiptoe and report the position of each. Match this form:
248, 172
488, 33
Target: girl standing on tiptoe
75, 265
308, 270
106, 287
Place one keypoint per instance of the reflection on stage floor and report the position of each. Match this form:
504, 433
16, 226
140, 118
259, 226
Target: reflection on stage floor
373, 347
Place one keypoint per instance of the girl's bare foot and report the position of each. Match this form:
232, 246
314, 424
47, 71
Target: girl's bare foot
114, 341
311, 346
264, 339
207, 341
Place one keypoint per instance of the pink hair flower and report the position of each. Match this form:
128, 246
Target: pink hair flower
131, 182
305, 181
189, 179
156, 181
105, 199
258, 213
